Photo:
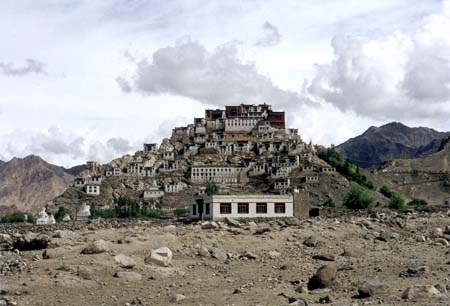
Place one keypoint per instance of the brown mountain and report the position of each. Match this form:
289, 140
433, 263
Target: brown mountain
391, 141
28, 183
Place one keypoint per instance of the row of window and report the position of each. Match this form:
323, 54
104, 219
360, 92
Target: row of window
197, 170
244, 208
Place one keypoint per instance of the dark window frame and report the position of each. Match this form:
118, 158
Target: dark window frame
225, 208
243, 208
277, 207
261, 208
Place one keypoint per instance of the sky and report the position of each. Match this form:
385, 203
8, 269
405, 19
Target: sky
95, 79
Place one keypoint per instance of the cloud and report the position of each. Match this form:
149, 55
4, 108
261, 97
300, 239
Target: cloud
62, 147
401, 75
271, 36
31, 66
215, 78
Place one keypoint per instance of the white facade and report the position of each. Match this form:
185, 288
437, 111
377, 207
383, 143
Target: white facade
240, 124
217, 174
117, 171
153, 193
92, 189
135, 168
175, 187
244, 206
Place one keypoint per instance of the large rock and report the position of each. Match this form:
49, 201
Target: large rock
96, 247
6, 241
232, 222
324, 277
31, 241
372, 288
124, 261
218, 253
311, 241
420, 292
210, 225
161, 257
128, 276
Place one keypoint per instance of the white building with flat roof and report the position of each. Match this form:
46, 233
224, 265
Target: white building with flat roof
243, 206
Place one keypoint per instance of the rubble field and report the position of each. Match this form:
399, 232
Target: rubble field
380, 258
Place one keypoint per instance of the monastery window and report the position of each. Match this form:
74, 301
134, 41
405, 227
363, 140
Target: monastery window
280, 208
261, 208
243, 208
225, 208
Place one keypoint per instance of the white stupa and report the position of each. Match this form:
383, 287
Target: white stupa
43, 217
84, 213
51, 220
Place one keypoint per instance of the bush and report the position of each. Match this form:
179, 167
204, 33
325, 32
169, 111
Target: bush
417, 202
62, 211
15, 217
181, 212
103, 213
396, 201
328, 204
211, 188
384, 190
357, 198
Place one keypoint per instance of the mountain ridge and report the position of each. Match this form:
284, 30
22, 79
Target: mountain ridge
393, 140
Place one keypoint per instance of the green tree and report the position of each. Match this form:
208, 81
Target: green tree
396, 201
62, 211
417, 202
357, 198
384, 190
328, 203
211, 188
181, 212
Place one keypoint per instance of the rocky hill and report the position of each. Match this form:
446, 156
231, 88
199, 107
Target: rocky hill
391, 141
28, 183
426, 177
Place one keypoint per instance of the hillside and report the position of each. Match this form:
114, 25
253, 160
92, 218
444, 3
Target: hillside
29, 183
391, 141
426, 177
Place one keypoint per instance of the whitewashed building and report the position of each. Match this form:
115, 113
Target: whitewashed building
216, 174
93, 189
243, 206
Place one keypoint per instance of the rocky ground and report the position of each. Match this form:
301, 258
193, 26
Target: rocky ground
373, 259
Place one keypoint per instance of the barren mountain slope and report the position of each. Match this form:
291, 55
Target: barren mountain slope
29, 183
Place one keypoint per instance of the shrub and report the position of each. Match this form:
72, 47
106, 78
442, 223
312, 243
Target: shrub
384, 190
62, 211
103, 213
14, 217
417, 202
181, 212
328, 204
211, 188
396, 201
357, 198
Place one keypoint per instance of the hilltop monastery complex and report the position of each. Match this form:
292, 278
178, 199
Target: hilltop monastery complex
246, 150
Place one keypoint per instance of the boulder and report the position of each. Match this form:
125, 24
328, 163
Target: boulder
324, 277
6, 242
311, 241
161, 257
218, 254
415, 272
177, 298
203, 251
233, 222
53, 253
274, 254
437, 233
124, 261
210, 225
420, 292
96, 247
30, 241
372, 288
248, 255
128, 276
